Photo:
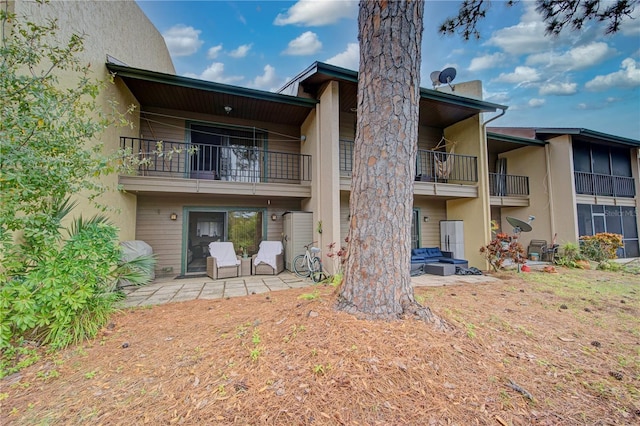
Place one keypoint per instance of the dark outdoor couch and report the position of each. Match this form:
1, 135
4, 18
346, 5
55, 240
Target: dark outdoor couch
426, 255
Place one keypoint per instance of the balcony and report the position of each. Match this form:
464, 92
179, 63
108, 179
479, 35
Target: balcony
604, 185
437, 173
503, 185
169, 166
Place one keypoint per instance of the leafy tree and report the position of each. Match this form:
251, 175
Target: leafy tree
53, 289
558, 15
377, 282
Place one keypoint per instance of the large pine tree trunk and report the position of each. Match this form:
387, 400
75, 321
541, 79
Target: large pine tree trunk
377, 282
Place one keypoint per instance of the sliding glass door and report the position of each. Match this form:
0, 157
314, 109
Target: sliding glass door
243, 227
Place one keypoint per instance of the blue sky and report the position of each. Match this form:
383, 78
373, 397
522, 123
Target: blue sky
579, 79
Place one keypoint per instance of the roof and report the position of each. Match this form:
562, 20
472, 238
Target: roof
501, 137
438, 109
578, 134
586, 135
160, 90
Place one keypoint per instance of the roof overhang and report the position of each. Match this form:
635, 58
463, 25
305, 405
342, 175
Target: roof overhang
159, 90
437, 109
499, 142
587, 135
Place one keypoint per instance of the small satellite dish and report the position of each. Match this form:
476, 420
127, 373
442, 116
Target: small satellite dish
447, 75
520, 225
435, 78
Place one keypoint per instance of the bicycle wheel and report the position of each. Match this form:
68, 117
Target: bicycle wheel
300, 266
316, 270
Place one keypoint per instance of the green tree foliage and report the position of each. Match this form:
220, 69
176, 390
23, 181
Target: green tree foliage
44, 128
56, 286
558, 14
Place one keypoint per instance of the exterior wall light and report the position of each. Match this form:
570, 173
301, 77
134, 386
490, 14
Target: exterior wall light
274, 217
173, 216
426, 218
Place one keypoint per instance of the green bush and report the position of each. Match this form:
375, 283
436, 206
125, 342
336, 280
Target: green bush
601, 246
68, 292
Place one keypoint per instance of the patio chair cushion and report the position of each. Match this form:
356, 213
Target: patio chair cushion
267, 253
224, 254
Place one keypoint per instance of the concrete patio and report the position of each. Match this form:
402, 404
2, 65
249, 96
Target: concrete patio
171, 289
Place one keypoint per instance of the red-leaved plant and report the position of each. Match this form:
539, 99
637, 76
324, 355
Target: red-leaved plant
501, 248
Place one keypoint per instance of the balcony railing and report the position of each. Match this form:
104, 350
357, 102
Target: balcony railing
503, 185
431, 166
604, 185
235, 163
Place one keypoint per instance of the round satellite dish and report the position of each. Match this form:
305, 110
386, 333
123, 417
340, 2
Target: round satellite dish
435, 78
447, 75
519, 225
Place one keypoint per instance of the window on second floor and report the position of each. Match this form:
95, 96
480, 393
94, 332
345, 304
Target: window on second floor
601, 159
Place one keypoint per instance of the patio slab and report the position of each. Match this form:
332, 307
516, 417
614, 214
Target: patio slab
169, 290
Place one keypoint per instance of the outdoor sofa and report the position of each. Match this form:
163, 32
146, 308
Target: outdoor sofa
420, 257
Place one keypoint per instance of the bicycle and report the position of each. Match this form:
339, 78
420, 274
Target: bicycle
309, 265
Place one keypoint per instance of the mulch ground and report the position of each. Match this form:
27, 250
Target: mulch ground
517, 357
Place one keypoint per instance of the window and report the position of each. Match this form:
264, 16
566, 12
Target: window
231, 154
593, 219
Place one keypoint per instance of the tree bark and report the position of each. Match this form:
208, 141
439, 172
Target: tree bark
377, 281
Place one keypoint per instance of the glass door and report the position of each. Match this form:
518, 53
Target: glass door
203, 228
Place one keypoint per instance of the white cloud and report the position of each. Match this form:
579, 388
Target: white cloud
498, 97
215, 72
561, 89
527, 36
349, 58
487, 61
182, 40
536, 103
266, 81
213, 52
317, 13
578, 58
306, 44
627, 77
520, 75
241, 51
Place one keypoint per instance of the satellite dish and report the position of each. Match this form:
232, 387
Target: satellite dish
520, 225
435, 78
447, 75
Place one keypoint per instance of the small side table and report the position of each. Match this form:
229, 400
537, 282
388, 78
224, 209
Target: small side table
245, 266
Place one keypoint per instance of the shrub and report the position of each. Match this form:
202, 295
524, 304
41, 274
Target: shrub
501, 248
601, 246
570, 255
68, 292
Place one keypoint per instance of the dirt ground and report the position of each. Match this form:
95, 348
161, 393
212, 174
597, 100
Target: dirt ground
531, 349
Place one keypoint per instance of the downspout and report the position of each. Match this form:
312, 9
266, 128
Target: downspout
486, 151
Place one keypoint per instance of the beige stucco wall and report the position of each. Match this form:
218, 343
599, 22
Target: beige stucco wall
119, 29
474, 212
322, 129
530, 161
563, 202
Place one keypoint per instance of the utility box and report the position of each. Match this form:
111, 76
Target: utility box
298, 232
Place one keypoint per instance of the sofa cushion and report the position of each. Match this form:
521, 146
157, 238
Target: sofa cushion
433, 252
420, 252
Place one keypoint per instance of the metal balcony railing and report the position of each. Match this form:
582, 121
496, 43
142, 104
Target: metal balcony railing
234, 163
604, 185
431, 166
503, 185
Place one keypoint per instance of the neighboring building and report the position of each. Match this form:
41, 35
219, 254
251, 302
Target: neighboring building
580, 182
